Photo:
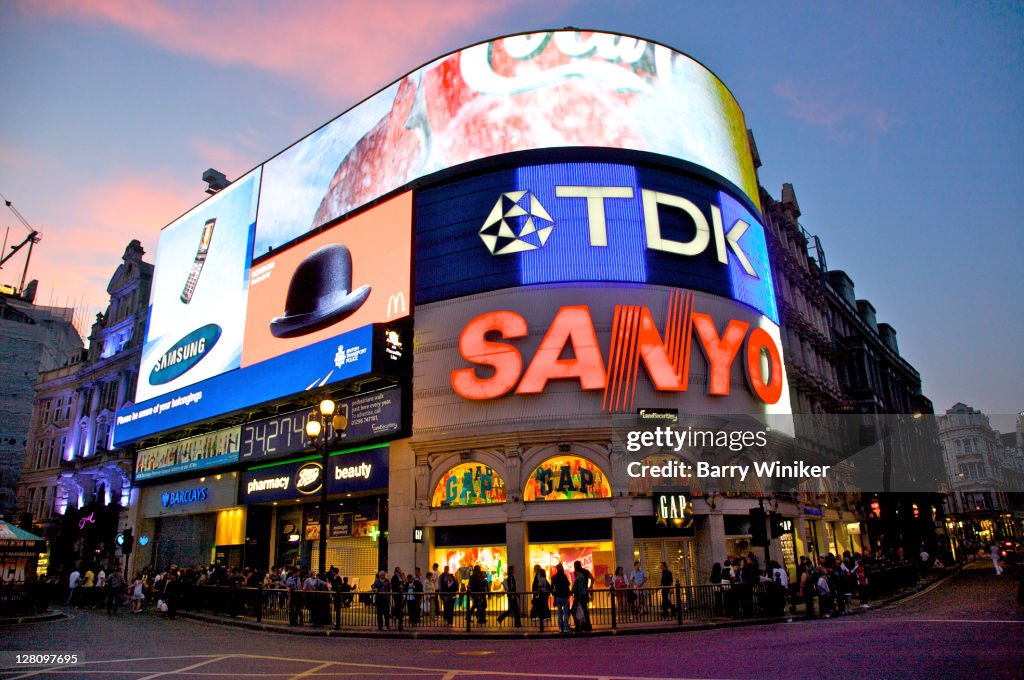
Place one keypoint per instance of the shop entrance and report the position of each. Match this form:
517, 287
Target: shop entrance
679, 553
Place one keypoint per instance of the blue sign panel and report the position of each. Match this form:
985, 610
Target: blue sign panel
326, 362
358, 471
579, 222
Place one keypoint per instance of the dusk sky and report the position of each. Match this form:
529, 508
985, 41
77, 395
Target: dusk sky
899, 124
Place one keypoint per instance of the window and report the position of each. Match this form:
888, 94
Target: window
968, 445
40, 459
50, 445
46, 412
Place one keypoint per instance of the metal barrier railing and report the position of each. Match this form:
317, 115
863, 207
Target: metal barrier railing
603, 609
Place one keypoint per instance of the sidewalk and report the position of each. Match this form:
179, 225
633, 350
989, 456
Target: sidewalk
623, 628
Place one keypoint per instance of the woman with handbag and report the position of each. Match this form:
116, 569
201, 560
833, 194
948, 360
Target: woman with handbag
541, 590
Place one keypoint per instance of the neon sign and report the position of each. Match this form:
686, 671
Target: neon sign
89, 519
635, 340
469, 484
566, 478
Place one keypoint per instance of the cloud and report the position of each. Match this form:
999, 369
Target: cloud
346, 48
84, 236
841, 109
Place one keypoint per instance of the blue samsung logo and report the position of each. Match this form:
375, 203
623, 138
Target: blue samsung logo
185, 354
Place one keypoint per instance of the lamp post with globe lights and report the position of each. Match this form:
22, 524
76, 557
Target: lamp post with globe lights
322, 427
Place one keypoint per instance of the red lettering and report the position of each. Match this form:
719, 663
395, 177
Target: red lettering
720, 352
571, 325
769, 390
476, 348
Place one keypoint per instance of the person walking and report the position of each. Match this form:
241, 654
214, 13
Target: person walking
478, 595
381, 589
994, 551
621, 588
562, 589
397, 601
581, 584
448, 587
511, 595
637, 582
294, 585
667, 608
413, 598
73, 582
138, 594
115, 591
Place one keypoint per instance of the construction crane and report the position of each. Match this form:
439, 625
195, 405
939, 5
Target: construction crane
33, 238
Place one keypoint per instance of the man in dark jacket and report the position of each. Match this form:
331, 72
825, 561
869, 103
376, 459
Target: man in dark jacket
667, 608
448, 586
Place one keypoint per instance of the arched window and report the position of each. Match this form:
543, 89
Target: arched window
566, 478
468, 484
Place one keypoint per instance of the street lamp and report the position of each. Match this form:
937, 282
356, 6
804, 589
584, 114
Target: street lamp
322, 428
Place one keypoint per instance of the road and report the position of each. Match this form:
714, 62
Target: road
967, 626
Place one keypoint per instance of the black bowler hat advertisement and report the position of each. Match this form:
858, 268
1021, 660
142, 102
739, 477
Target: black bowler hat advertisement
320, 293
339, 280
198, 300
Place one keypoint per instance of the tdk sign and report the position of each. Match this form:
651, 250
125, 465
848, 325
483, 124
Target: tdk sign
503, 233
585, 222
196, 494
185, 354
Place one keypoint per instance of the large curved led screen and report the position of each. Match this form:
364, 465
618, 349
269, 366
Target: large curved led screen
533, 91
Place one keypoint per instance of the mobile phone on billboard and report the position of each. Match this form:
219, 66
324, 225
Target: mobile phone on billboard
197, 265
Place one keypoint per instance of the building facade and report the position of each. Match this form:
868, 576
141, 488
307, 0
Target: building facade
74, 481
33, 338
539, 293
986, 500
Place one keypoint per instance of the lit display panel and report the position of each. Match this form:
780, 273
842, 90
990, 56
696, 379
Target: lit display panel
533, 91
566, 478
469, 484
535, 224
200, 283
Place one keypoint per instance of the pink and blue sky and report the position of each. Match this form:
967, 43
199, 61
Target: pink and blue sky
898, 124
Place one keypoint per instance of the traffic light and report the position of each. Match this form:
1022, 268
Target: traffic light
758, 528
777, 524
126, 540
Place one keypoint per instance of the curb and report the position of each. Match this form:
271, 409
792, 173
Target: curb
34, 618
439, 635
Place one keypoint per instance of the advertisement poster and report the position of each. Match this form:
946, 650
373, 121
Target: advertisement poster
334, 282
622, 93
197, 304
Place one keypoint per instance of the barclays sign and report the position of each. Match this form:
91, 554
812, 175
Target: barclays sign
196, 494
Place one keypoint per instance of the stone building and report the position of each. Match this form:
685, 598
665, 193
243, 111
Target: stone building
33, 338
73, 482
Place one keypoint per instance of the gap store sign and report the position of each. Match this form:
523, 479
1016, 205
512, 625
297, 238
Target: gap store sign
351, 471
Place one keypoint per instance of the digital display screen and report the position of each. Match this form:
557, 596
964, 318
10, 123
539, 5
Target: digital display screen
367, 416
309, 368
355, 273
194, 453
506, 95
581, 222
197, 302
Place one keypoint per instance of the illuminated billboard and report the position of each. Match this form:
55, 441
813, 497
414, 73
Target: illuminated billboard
532, 91
354, 273
197, 303
600, 222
